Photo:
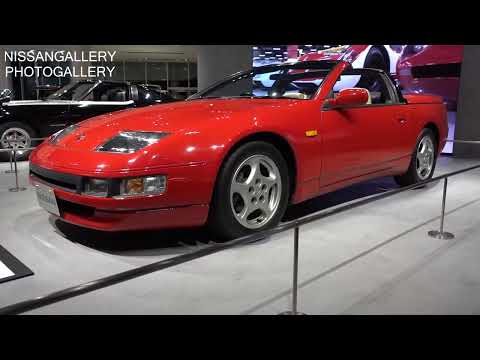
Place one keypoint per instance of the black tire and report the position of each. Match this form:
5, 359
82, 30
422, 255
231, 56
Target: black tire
222, 221
376, 60
5, 128
411, 176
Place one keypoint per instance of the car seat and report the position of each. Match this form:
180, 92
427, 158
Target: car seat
118, 95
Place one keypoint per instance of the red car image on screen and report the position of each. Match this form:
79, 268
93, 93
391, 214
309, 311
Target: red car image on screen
382, 57
234, 156
431, 69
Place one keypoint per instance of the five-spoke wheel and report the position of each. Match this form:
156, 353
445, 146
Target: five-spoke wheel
252, 191
255, 191
422, 163
16, 135
425, 157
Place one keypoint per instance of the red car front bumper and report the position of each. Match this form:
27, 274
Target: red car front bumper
184, 204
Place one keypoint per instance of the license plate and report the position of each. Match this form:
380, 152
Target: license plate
46, 198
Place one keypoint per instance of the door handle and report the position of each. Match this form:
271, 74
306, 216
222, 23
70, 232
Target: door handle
401, 120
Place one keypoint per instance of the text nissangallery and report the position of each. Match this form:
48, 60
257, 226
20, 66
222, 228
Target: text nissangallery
76, 64
59, 56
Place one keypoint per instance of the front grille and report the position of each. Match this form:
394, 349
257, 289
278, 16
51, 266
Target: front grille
439, 70
53, 182
56, 179
73, 208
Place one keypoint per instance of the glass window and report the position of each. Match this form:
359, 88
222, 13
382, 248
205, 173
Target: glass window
118, 73
178, 74
135, 72
287, 82
193, 75
108, 92
157, 74
73, 91
370, 80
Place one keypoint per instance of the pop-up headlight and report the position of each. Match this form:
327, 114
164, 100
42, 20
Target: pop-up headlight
128, 142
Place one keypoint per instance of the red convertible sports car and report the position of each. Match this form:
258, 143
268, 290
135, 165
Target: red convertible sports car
234, 156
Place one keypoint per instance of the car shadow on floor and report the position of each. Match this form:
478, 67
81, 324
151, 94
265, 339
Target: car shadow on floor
163, 242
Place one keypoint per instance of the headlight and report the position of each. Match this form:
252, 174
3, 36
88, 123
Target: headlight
146, 185
55, 138
128, 142
96, 187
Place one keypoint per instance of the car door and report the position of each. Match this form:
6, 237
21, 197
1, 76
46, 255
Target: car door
366, 139
103, 98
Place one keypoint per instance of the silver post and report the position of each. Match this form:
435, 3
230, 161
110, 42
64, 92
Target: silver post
442, 234
295, 276
11, 164
16, 188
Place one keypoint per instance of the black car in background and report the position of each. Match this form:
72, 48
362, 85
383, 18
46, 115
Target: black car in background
20, 121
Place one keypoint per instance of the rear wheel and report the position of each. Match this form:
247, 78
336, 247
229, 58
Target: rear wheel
251, 192
16, 134
422, 163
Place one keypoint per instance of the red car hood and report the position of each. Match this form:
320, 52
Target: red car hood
76, 150
173, 118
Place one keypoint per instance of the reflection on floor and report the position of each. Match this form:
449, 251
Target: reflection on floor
373, 259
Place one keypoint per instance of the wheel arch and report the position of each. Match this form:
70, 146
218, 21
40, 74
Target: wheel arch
432, 126
385, 54
280, 142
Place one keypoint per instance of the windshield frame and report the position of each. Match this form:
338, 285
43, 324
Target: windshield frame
70, 87
326, 65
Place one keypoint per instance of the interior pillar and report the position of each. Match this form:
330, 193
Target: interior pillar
467, 125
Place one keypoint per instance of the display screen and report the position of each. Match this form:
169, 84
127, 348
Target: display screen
417, 69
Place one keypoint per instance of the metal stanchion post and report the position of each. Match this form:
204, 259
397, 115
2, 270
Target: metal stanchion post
11, 164
16, 188
440, 234
295, 277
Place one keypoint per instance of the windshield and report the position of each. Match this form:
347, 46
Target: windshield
73, 91
294, 81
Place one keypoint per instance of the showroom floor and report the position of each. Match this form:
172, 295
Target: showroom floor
375, 259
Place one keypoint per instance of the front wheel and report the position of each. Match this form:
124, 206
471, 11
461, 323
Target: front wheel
422, 163
15, 134
251, 193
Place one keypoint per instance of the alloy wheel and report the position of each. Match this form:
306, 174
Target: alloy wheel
15, 138
255, 191
425, 157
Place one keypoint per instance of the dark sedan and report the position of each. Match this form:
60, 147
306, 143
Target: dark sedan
20, 121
